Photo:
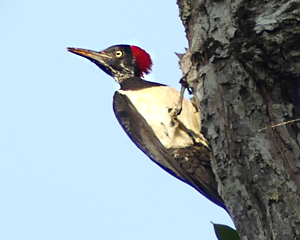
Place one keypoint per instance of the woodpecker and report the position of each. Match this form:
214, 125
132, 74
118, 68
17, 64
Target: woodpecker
149, 114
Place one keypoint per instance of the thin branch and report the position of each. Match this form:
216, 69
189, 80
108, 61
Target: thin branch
280, 124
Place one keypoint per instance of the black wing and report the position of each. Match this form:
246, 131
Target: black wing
191, 165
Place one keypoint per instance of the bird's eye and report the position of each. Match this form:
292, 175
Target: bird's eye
119, 54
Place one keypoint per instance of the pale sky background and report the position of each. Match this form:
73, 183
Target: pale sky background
67, 169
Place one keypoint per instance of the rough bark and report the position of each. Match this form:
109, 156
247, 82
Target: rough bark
243, 65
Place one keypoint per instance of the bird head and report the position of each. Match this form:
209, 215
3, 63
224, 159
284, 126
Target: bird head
119, 61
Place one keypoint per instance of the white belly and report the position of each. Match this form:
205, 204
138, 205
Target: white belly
155, 104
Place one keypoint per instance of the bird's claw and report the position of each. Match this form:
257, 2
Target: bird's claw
175, 111
178, 110
184, 85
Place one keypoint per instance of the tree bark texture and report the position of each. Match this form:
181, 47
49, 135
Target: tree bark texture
243, 65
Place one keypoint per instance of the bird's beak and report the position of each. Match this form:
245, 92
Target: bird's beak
89, 54
101, 59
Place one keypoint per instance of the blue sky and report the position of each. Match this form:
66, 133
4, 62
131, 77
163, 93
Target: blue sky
67, 169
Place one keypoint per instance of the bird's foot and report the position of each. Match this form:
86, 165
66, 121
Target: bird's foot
174, 112
177, 110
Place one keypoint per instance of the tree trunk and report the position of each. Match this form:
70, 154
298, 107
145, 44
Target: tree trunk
243, 65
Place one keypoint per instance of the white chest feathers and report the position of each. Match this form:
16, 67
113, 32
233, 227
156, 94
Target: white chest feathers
157, 104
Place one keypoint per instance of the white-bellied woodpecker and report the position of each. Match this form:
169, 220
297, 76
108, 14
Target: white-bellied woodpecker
148, 113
